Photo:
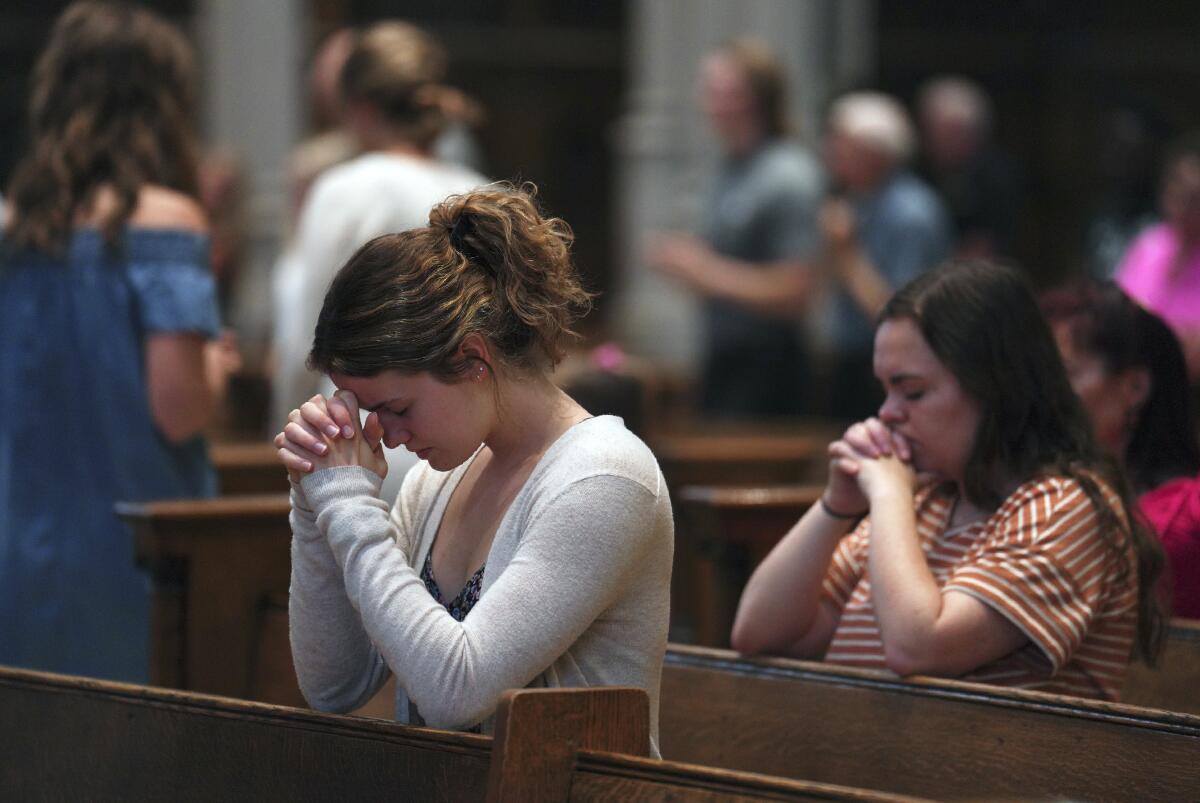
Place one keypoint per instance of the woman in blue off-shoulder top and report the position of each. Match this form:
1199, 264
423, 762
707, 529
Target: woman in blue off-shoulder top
108, 363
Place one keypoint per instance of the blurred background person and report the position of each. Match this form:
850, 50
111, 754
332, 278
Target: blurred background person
1126, 366
1131, 139
978, 183
332, 143
108, 312
759, 227
883, 229
1161, 270
394, 105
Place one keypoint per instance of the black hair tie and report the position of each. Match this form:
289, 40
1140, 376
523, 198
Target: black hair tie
462, 228
458, 233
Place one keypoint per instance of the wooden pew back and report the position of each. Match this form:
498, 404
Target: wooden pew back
248, 467
68, 738
1174, 685
937, 738
214, 565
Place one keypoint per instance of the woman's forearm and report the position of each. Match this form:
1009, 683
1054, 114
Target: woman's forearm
906, 596
780, 603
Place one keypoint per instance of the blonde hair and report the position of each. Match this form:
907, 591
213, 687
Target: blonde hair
488, 263
397, 68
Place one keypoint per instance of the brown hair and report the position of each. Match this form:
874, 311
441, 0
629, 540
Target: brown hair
396, 68
488, 263
766, 78
111, 105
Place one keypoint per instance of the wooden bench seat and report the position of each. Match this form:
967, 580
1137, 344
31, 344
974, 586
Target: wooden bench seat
938, 738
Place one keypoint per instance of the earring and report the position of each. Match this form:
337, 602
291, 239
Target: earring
479, 374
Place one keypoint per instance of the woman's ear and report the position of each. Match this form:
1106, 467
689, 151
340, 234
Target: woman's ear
476, 354
1135, 385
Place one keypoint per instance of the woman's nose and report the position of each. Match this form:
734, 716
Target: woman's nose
890, 411
395, 436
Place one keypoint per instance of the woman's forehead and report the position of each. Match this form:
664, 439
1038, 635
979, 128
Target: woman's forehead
901, 350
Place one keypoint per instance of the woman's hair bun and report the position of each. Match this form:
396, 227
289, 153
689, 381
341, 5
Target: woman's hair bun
500, 233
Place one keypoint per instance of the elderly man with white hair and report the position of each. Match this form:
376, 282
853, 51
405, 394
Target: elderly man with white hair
885, 227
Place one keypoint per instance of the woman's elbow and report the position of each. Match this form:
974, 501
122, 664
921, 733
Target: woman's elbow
331, 698
454, 712
907, 660
900, 662
751, 636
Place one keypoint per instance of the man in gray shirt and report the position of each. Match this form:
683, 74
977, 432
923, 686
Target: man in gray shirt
760, 226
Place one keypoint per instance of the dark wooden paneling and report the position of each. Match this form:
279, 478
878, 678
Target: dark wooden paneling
938, 738
75, 739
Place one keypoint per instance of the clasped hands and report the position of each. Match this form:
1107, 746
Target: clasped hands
324, 433
867, 462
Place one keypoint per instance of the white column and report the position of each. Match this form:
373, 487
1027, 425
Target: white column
666, 152
252, 61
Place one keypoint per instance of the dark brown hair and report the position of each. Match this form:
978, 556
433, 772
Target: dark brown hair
1102, 321
766, 79
488, 263
397, 68
111, 105
983, 323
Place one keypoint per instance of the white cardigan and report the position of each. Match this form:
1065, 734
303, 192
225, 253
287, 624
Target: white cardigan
576, 590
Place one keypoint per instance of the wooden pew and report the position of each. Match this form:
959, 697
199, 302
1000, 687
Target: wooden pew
67, 738
720, 456
938, 738
728, 531
213, 564
720, 453
248, 467
1175, 684
220, 573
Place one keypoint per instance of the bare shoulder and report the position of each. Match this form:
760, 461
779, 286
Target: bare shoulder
160, 207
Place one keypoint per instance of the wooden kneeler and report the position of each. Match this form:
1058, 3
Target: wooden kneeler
538, 733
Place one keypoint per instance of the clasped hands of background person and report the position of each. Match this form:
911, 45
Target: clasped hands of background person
324, 433
867, 461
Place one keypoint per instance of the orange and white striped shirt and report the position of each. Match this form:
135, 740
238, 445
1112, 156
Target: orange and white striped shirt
1040, 560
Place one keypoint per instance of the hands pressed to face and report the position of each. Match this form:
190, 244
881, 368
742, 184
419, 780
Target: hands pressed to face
869, 461
324, 433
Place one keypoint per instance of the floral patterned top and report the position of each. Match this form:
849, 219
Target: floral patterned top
461, 605
458, 608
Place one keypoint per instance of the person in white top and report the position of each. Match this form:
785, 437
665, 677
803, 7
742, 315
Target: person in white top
555, 525
393, 107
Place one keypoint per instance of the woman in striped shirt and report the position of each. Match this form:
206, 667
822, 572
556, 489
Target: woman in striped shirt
994, 543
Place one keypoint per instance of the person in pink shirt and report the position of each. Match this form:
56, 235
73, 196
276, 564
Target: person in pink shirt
1161, 270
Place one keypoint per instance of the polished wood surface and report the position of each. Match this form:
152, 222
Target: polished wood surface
539, 731
932, 737
213, 564
726, 531
752, 458
66, 738
248, 467
1174, 684
70, 738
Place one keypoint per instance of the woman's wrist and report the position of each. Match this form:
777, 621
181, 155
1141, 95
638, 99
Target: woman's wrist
835, 512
